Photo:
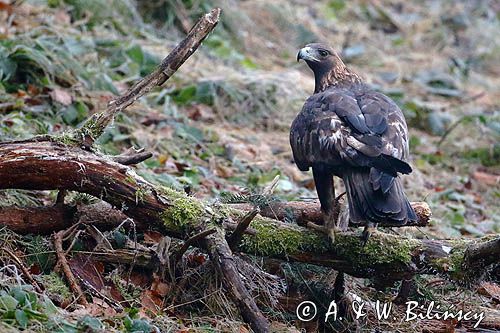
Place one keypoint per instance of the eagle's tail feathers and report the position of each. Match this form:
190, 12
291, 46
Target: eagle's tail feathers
373, 197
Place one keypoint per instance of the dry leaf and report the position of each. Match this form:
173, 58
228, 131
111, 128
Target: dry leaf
490, 289
152, 237
61, 96
160, 288
486, 178
151, 301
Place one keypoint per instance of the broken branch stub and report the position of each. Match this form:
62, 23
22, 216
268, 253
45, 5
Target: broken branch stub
95, 125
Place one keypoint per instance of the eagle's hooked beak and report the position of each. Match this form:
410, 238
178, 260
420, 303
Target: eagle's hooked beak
307, 54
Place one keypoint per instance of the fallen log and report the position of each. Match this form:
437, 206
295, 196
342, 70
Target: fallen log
49, 165
301, 212
47, 220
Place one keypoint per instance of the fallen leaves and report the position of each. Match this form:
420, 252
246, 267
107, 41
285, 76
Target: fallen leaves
490, 289
61, 96
486, 178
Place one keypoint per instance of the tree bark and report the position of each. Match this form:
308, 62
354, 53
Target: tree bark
49, 165
301, 212
222, 257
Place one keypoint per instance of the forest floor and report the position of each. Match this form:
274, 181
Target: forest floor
219, 129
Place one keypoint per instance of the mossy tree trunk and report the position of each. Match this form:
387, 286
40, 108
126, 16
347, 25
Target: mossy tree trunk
50, 165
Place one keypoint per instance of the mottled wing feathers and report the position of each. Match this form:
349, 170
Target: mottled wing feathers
346, 108
352, 128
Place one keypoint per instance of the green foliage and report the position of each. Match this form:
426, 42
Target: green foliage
56, 287
250, 196
20, 306
74, 113
115, 14
165, 14
90, 324
18, 198
488, 156
137, 325
41, 60
243, 100
38, 252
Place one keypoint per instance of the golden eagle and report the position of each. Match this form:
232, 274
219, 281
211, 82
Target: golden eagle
349, 130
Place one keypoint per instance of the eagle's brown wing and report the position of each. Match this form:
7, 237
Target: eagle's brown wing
361, 136
341, 128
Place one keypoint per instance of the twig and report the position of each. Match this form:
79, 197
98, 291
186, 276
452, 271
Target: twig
269, 189
61, 258
133, 158
102, 242
222, 257
25, 270
229, 226
236, 236
316, 227
141, 259
190, 241
60, 197
94, 126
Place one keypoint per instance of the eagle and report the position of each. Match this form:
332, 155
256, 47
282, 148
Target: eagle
347, 129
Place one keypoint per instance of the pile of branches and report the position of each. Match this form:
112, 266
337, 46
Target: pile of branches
71, 162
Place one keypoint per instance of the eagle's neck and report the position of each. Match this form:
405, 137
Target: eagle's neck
337, 75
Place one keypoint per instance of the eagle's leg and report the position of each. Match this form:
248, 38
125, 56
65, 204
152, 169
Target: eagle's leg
323, 180
369, 229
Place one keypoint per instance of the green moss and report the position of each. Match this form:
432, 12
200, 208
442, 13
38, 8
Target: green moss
452, 265
93, 127
272, 241
55, 286
488, 156
141, 193
381, 249
456, 260
185, 212
131, 180
66, 138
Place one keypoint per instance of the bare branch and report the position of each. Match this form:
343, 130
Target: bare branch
94, 126
131, 159
234, 239
222, 257
61, 258
24, 269
191, 241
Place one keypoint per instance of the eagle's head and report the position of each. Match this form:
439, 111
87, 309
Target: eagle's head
320, 58
327, 66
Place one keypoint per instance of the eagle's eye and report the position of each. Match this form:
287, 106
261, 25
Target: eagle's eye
323, 53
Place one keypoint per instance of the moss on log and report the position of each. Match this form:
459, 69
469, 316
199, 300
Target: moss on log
47, 165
